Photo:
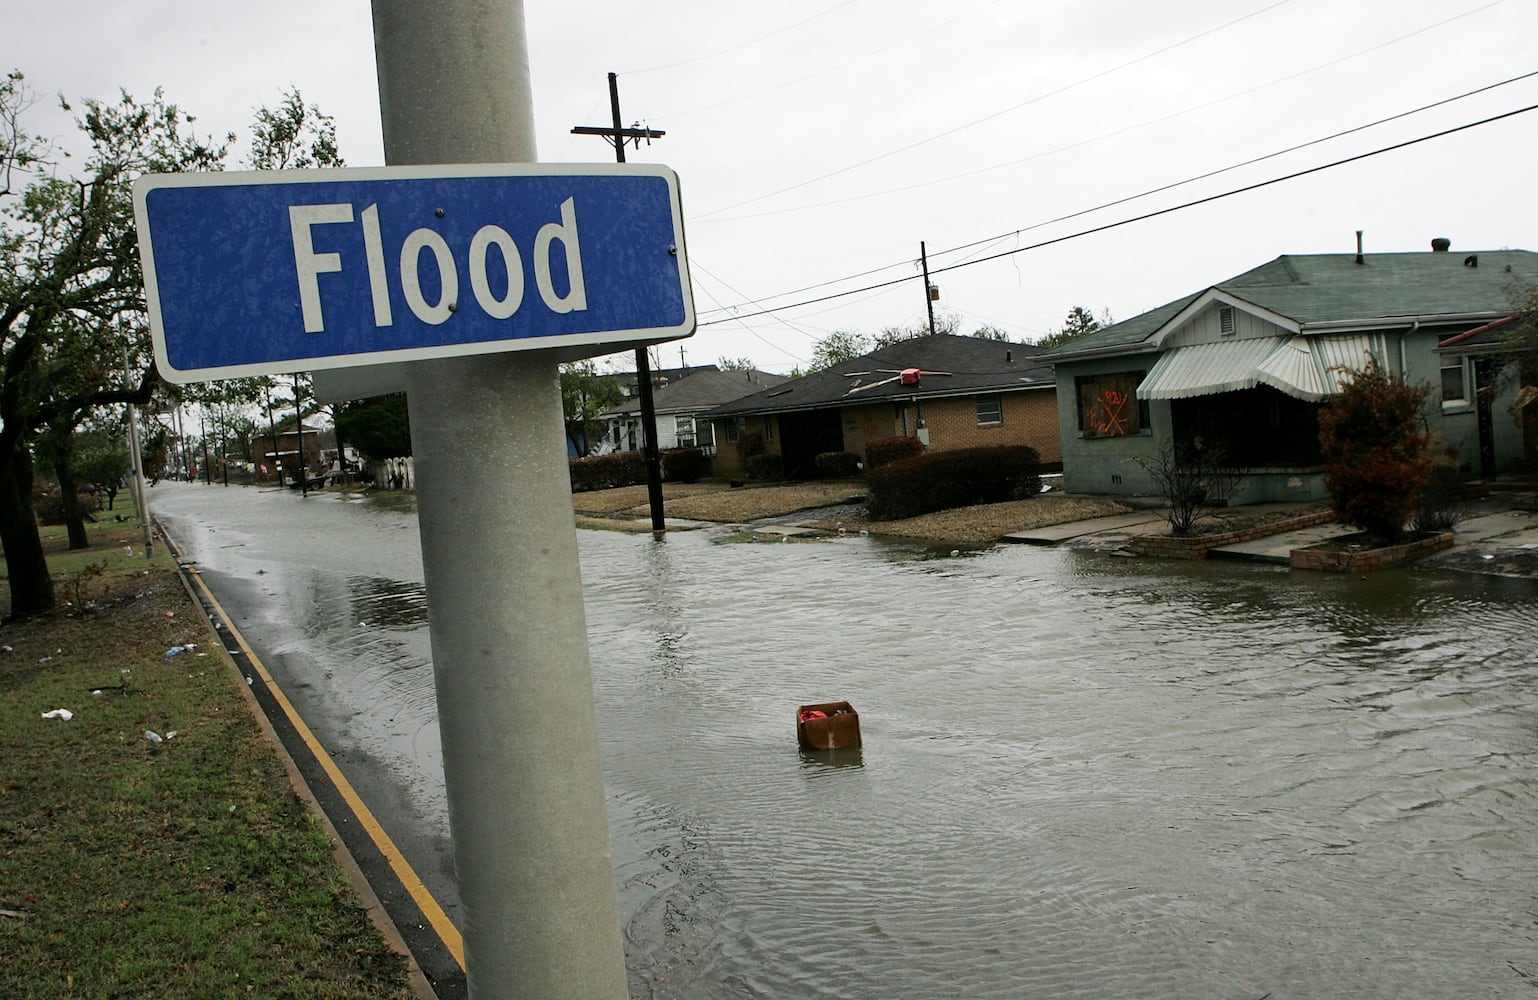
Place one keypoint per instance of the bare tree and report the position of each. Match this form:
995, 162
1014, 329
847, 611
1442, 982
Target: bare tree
1191, 476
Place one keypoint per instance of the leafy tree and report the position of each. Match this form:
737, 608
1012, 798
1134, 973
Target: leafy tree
584, 395
836, 348
101, 458
1080, 321
379, 428
990, 332
1376, 460
71, 302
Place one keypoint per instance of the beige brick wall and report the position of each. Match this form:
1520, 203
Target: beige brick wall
727, 462
1029, 418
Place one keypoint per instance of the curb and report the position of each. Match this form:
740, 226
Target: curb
227, 636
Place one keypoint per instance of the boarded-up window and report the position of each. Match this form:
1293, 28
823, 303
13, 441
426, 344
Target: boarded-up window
1108, 405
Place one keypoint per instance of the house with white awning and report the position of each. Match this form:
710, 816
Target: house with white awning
1246, 364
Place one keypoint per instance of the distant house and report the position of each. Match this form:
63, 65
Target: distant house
285, 454
950, 392
1247, 363
678, 403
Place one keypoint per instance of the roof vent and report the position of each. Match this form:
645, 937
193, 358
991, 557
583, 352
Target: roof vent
1441, 244
1359, 258
1472, 260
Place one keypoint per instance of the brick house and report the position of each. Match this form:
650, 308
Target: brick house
950, 392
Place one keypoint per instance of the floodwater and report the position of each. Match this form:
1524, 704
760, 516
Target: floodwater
1083, 776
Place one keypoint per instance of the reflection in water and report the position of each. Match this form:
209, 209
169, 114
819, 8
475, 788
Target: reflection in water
1082, 776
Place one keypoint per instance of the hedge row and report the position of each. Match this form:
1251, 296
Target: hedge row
941, 480
628, 468
883, 451
837, 465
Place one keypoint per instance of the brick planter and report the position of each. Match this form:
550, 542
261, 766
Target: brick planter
1335, 557
1196, 546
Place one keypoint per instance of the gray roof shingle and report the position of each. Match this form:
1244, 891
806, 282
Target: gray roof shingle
1325, 288
972, 365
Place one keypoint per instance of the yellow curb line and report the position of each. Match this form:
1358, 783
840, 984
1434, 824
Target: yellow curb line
419, 893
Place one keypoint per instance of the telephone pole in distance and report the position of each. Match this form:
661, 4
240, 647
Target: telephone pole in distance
619, 135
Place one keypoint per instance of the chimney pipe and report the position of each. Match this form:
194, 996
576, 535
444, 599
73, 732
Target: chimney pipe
1359, 258
1441, 244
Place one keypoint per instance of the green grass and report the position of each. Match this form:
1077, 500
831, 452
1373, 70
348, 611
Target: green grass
181, 869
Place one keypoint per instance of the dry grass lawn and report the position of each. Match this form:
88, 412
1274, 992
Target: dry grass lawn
718, 501
721, 503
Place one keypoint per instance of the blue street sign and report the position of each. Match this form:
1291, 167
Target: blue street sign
265, 272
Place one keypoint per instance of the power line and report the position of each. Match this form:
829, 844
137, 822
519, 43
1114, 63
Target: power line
997, 114
867, 195
864, 56
1162, 188
740, 45
1154, 214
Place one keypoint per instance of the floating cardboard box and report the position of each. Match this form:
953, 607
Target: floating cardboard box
832, 725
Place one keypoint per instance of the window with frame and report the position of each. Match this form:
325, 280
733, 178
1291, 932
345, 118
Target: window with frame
1107, 405
768, 428
735, 428
1455, 383
683, 431
990, 409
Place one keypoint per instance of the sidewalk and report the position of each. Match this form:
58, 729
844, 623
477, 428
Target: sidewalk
1496, 538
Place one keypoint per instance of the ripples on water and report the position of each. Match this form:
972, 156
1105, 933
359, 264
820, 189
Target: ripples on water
1083, 776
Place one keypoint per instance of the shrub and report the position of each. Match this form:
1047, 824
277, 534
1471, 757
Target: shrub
1374, 451
766, 467
684, 465
1191, 476
837, 465
602, 472
1442, 501
882, 451
944, 479
749, 446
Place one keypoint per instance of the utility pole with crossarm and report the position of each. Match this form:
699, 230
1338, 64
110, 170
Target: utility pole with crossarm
618, 136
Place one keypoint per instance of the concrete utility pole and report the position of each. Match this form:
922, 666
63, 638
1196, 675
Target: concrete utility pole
304, 472
618, 135
539, 910
137, 456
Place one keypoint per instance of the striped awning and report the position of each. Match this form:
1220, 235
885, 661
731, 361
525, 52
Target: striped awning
1309, 368
1208, 369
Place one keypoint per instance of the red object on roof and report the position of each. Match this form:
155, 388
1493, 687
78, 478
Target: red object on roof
910, 376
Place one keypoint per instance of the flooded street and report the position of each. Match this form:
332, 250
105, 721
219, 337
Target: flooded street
1083, 776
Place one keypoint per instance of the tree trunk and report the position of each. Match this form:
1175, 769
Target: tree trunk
74, 516
31, 586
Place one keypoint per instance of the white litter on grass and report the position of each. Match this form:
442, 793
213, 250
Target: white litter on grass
153, 736
59, 713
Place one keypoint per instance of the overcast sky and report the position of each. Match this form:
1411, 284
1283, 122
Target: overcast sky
819, 141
